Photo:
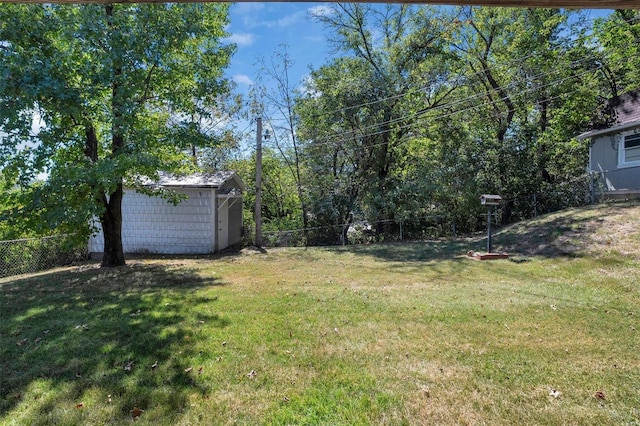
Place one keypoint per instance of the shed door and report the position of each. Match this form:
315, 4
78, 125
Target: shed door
223, 224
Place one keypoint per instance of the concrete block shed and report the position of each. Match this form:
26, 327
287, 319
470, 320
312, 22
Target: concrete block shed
208, 220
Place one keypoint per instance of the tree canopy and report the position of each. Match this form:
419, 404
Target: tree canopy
428, 107
93, 95
421, 110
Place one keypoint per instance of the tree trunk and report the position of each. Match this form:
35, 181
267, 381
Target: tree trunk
542, 145
111, 221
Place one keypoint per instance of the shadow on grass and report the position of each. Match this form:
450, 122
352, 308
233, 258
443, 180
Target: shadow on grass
564, 234
557, 235
109, 331
422, 251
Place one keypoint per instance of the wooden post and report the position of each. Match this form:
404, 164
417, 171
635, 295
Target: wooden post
490, 208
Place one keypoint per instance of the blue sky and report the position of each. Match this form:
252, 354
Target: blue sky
258, 29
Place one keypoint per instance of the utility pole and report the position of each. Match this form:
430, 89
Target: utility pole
258, 210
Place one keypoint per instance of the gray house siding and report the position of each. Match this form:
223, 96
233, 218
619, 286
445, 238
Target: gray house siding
614, 153
604, 159
604, 154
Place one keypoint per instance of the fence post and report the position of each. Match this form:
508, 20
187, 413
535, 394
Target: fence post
343, 235
535, 205
592, 187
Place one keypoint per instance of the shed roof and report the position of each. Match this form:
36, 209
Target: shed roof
626, 114
197, 180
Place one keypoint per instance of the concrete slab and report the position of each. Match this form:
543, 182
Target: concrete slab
486, 256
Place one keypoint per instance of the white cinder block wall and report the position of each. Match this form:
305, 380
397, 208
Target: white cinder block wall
153, 225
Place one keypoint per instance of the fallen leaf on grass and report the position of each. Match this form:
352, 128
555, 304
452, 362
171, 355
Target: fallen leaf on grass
252, 374
285, 399
186, 370
555, 393
82, 327
38, 340
136, 412
599, 395
80, 405
128, 366
200, 370
22, 342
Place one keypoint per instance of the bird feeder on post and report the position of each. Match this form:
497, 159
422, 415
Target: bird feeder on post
490, 201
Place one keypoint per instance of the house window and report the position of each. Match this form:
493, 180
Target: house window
630, 150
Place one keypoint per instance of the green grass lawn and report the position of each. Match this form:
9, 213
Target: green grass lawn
380, 334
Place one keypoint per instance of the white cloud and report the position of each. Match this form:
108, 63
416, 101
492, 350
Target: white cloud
314, 38
242, 79
284, 22
307, 87
243, 8
241, 39
247, 14
321, 10
290, 20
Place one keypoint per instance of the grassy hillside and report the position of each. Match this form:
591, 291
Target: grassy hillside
378, 334
599, 230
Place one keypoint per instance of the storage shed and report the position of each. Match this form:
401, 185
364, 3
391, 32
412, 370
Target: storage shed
207, 220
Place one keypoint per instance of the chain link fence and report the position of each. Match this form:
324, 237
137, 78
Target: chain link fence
37, 254
576, 192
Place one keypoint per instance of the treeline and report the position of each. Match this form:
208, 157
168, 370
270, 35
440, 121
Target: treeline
422, 110
427, 108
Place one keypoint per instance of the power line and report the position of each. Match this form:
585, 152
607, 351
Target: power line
338, 137
496, 67
455, 80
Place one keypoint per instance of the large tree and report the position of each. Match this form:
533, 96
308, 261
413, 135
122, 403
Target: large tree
96, 95
526, 70
360, 108
431, 107
619, 36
